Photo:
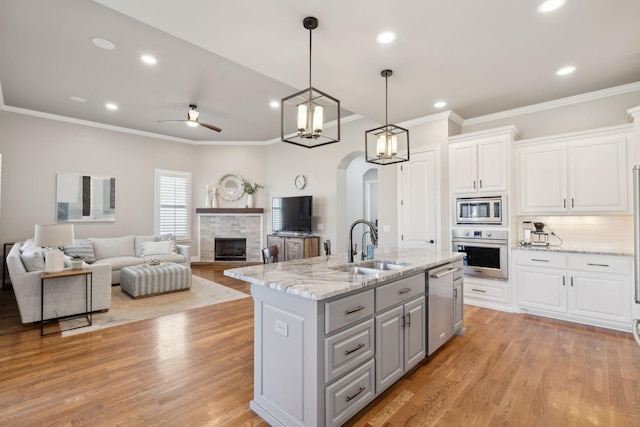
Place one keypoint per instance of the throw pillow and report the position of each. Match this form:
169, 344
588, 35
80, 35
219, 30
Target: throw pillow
157, 248
26, 245
33, 259
82, 249
168, 237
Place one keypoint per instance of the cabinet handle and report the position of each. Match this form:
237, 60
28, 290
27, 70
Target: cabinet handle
360, 390
408, 319
455, 293
355, 349
597, 265
572, 281
478, 290
563, 284
442, 274
480, 183
355, 310
474, 184
572, 202
539, 260
564, 203
404, 291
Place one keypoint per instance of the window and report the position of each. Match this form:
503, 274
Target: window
173, 203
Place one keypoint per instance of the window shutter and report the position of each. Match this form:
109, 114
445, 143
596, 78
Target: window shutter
174, 210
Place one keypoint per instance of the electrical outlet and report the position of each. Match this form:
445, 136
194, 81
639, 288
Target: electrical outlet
282, 328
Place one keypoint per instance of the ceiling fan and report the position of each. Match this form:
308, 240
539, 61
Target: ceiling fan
192, 119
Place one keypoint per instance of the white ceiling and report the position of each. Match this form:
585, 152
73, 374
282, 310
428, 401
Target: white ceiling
232, 58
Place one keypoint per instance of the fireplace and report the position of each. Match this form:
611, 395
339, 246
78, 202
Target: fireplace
230, 249
228, 223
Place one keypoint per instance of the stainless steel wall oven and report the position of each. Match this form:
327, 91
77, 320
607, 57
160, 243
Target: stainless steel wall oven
487, 252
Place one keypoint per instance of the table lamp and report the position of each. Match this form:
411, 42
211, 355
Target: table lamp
52, 236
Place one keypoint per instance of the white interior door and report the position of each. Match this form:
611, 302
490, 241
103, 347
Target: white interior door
419, 201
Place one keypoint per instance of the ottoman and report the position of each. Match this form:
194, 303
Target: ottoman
148, 280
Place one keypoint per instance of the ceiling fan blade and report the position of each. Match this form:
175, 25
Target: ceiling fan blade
214, 128
172, 121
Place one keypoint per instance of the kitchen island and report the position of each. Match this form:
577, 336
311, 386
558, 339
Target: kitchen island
329, 338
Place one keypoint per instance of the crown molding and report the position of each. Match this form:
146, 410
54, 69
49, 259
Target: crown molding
511, 131
562, 102
445, 115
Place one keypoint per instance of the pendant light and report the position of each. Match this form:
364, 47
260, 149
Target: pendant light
305, 115
389, 143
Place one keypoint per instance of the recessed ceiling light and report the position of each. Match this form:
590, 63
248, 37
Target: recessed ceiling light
275, 104
77, 99
566, 70
550, 5
148, 59
386, 37
440, 104
111, 106
103, 43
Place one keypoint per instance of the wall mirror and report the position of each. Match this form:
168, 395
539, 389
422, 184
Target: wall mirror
231, 187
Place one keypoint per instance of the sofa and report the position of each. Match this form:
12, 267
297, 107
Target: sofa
104, 256
63, 296
125, 251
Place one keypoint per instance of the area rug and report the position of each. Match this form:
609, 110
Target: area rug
125, 309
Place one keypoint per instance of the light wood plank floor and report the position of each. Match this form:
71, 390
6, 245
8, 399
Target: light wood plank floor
196, 369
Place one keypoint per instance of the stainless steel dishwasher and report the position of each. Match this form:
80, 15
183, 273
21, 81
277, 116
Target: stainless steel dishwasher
440, 316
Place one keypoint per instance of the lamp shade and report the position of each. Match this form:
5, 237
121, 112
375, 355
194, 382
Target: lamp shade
54, 235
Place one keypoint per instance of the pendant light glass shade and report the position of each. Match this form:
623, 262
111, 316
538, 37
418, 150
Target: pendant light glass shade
310, 118
389, 143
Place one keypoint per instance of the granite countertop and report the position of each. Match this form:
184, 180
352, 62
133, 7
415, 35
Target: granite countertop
577, 250
319, 278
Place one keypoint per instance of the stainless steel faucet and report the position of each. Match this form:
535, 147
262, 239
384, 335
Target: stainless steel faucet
374, 237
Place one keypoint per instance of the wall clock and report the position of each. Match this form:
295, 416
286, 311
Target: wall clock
301, 182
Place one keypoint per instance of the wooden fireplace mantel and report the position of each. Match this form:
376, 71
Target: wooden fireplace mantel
229, 210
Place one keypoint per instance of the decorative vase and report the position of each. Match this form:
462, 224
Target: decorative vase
250, 201
214, 199
207, 197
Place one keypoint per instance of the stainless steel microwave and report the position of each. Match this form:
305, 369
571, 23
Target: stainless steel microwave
481, 210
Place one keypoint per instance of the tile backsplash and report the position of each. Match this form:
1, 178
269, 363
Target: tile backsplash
602, 232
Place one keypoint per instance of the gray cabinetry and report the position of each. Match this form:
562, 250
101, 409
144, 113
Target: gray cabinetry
400, 331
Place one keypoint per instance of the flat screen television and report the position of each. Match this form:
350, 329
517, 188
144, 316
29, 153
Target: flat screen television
292, 214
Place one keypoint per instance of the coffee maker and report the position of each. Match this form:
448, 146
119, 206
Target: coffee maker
539, 237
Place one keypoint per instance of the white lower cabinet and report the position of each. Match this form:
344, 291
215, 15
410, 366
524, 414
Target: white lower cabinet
585, 288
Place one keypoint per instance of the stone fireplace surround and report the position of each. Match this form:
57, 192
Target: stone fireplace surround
230, 223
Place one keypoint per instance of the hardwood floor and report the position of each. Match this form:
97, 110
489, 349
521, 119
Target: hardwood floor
196, 369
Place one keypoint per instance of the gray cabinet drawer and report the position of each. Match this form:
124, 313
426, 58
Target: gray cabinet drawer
348, 349
348, 395
345, 311
400, 291
459, 266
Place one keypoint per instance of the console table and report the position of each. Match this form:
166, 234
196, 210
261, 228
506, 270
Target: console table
295, 247
88, 280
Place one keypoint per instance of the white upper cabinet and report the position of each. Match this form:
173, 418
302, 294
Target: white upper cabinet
479, 161
585, 172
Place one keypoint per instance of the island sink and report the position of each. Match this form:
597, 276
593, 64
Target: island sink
371, 267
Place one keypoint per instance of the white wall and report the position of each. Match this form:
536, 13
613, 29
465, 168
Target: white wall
35, 149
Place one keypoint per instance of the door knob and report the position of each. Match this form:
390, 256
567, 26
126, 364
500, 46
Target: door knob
432, 241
